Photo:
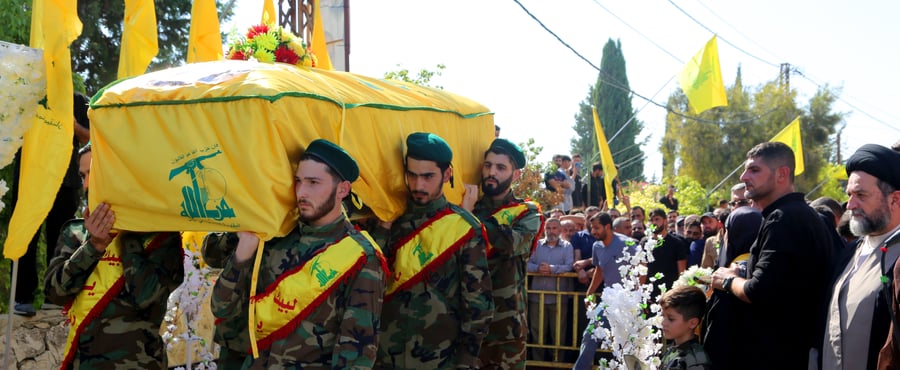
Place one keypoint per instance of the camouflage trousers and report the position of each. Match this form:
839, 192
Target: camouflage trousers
508, 354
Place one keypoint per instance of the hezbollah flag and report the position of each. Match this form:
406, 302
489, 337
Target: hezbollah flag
268, 13
204, 40
606, 160
139, 38
47, 145
790, 135
213, 146
701, 79
319, 46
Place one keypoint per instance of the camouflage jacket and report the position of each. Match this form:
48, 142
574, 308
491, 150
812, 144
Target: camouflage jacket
126, 334
440, 322
688, 356
231, 335
512, 246
340, 333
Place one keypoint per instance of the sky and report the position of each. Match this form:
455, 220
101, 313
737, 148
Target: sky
497, 55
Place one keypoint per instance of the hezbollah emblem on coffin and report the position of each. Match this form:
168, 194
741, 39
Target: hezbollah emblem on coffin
204, 196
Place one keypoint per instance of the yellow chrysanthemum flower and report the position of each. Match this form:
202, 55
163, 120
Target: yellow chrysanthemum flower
296, 45
264, 56
265, 41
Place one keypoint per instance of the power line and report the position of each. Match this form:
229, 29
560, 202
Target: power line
738, 31
638, 32
721, 38
612, 81
794, 70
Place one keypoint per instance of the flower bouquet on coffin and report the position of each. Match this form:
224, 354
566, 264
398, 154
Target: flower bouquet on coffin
624, 321
270, 43
22, 85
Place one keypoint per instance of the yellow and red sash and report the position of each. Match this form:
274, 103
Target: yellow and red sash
509, 214
101, 287
428, 246
295, 294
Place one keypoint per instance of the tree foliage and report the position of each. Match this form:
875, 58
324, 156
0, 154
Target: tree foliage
531, 185
612, 98
423, 77
95, 54
710, 146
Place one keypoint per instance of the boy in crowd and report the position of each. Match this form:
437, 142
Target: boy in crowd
682, 307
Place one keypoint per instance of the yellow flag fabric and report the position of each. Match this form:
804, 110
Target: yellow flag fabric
268, 15
204, 41
139, 38
213, 146
319, 45
790, 135
47, 145
606, 160
701, 79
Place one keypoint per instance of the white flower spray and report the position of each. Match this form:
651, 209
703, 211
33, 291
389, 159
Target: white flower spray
22, 86
186, 300
633, 330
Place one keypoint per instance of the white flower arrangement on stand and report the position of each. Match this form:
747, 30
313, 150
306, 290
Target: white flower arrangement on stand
186, 300
695, 276
633, 333
22, 86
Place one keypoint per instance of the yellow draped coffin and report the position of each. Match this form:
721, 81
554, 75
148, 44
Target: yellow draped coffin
213, 146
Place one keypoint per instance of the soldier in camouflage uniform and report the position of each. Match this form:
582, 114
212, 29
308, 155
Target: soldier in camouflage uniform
682, 307
320, 288
438, 311
125, 333
512, 227
230, 335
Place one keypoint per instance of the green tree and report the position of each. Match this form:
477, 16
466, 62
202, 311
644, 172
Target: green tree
711, 145
611, 95
423, 77
95, 54
531, 185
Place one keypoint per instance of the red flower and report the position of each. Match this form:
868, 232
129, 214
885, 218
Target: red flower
237, 55
256, 30
284, 54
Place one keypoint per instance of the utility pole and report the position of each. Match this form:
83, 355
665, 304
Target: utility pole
786, 76
837, 142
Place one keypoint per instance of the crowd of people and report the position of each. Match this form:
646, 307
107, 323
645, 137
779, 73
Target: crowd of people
811, 282
443, 286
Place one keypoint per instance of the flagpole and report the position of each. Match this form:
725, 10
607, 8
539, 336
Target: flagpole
723, 181
12, 306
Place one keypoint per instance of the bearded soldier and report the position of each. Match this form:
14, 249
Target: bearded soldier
512, 226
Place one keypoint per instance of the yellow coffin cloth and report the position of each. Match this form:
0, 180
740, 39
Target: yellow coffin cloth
213, 146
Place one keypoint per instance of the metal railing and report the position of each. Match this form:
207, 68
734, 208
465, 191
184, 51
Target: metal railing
566, 341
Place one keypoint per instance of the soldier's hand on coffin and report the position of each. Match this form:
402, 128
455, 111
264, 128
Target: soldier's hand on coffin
469, 197
98, 224
247, 244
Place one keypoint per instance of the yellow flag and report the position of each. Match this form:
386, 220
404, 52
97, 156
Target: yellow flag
47, 145
318, 45
205, 41
139, 38
268, 14
609, 167
790, 135
701, 79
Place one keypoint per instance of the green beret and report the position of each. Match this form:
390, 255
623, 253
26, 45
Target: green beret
335, 157
428, 147
507, 147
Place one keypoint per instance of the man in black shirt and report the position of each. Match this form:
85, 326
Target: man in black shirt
788, 265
